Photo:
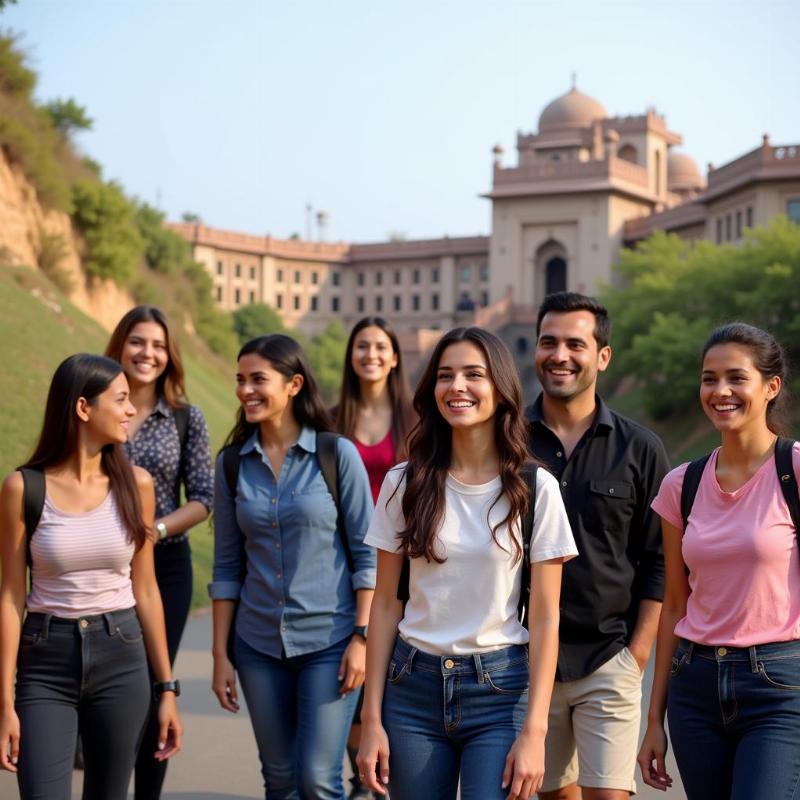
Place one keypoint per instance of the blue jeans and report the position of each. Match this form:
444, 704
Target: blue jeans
452, 715
734, 721
88, 675
299, 718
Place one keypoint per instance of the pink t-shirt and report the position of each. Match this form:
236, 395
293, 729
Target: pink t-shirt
742, 553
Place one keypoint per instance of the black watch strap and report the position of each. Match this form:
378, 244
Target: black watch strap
361, 630
159, 687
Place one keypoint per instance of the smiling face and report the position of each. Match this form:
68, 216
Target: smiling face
265, 394
465, 392
373, 356
567, 356
733, 393
145, 354
107, 416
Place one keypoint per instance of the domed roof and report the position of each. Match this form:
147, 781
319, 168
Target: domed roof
572, 110
682, 172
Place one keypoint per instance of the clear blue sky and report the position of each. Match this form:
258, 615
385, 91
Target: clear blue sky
384, 114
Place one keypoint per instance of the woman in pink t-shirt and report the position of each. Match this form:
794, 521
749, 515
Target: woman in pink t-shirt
727, 669
375, 411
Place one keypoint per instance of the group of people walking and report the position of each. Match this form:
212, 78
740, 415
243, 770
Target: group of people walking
496, 574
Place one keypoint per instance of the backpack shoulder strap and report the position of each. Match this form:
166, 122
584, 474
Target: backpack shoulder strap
181, 417
329, 466
691, 483
529, 472
33, 492
230, 467
788, 480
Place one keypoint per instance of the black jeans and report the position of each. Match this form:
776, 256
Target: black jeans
88, 675
174, 575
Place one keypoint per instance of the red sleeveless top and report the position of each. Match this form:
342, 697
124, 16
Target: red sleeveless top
378, 459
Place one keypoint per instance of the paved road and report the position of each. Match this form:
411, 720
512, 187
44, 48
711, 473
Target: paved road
219, 760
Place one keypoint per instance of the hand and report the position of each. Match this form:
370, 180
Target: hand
640, 655
170, 727
9, 740
374, 749
654, 748
353, 665
524, 768
223, 684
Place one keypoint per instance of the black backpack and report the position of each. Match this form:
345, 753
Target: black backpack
529, 472
786, 477
33, 483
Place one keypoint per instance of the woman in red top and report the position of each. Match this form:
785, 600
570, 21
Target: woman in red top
375, 411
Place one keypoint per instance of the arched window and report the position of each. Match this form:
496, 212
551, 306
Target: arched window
555, 279
628, 153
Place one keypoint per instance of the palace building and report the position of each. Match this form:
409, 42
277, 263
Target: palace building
584, 186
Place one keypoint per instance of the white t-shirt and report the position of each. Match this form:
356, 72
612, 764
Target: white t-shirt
468, 604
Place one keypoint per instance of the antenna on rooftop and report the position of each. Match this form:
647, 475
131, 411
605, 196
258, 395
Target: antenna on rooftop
574, 80
322, 221
308, 221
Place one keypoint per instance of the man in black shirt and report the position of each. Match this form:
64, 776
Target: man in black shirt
609, 469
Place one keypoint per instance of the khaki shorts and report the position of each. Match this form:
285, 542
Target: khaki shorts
593, 728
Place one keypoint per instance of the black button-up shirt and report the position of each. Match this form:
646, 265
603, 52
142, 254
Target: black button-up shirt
607, 483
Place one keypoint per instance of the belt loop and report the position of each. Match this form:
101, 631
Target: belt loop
110, 626
689, 652
46, 626
478, 667
753, 658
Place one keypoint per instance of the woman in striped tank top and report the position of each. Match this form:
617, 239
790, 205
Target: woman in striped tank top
94, 612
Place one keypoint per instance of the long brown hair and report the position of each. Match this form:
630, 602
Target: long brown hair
88, 376
399, 393
286, 357
430, 448
171, 383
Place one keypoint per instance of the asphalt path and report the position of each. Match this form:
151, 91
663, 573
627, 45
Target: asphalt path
219, 759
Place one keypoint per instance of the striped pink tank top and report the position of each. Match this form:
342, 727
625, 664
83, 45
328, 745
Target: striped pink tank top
81, 563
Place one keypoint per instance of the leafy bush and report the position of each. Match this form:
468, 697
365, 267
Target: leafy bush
257, 319
326, 354
53, 249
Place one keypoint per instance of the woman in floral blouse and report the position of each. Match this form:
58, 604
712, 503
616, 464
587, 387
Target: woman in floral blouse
169, 438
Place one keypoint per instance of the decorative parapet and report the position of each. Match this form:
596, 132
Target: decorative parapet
421, 248
673, 219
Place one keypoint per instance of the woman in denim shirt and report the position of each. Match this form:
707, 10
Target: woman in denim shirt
300, 628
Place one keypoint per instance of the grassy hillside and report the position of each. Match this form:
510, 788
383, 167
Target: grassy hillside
39, 328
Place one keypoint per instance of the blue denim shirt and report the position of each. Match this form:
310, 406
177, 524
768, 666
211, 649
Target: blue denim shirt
298, 594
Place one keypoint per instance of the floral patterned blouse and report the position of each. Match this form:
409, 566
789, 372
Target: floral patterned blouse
156, 447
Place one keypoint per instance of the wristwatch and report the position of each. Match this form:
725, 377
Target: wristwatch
159, 687
360, 630
162, 530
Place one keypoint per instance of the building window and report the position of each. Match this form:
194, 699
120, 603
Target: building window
435, 275
219, 294
484, 272
297, 276
219, 268
555, 276
279, 301
719, 230
522, 345
237, 297
415, 302
297, 302
238, 270
360, 278
466, 274
793, 210
252, 297
314, 278
360, 303
434, 302
314, 303
415, 276
397, 302
749, 222
379, 303
335, 278
379, 279
484, 298
397, 277
334, 304
279, 276
252, 273
728, 227
738, 224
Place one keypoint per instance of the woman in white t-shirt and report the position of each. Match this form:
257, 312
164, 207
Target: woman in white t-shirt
448, 675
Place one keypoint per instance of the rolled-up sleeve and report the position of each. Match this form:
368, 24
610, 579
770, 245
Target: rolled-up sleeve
355, 504
226, 582
196, 471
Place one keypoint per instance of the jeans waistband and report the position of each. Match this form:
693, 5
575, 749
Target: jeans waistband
470, 664
771, 651
44, 623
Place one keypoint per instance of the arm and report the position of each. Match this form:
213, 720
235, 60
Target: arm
151, 616
644, 633
385, 616
654, 745
524, 768
226, 586
12, 604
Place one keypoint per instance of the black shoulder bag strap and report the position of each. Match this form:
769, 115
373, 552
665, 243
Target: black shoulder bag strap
181, 417
691, 483
329, 466
788, 480
33, 492
529, 472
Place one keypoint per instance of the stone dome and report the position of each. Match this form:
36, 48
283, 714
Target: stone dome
572, 110
683, 173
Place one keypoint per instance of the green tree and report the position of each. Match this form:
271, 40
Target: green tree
257, 319
68, 116
165, 250
326, 354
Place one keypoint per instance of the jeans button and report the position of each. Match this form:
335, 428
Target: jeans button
84, 623
722, 651
449, 663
